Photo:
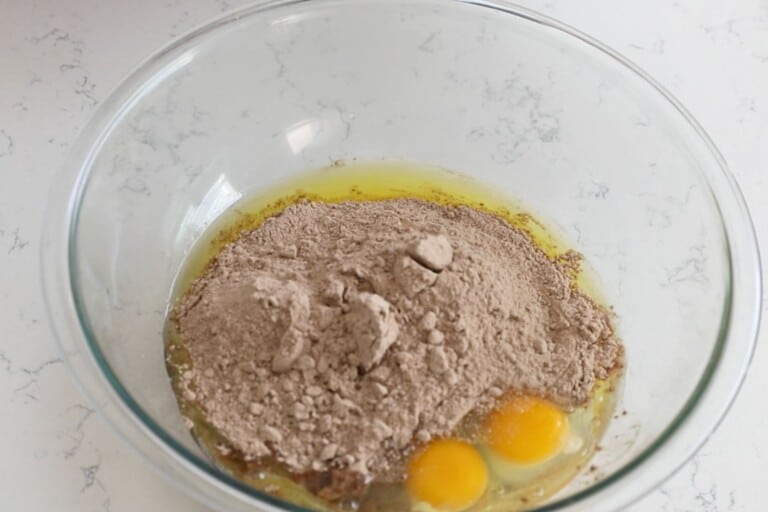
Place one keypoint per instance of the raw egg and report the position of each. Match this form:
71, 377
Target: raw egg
448, 474
526, 430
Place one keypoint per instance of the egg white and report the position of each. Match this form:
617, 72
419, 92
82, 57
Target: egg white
521, 474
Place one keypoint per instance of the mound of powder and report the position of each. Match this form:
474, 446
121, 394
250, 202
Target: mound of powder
336, 337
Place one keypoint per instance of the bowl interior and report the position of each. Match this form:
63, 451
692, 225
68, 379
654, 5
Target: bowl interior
527, 109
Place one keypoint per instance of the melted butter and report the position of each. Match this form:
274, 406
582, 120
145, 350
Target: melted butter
373, 181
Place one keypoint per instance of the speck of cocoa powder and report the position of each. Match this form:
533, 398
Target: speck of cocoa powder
336, 337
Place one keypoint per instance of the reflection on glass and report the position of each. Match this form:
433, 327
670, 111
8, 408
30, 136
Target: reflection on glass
219, 197
301, 135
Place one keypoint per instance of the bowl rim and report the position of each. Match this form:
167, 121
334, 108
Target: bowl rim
705, 408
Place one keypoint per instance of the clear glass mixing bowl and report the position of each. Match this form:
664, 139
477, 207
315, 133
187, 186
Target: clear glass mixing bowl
519, 101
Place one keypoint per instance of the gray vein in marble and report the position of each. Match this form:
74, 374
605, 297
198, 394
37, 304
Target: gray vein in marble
20, 106
282, 69
136, 185
18, 244
738, 30
593, 189
577, 229
223, 5
702, 497
516, 101
692, 270
78, 434
28, 389
91, 481
8, 366
58, 36
656, 47
89, 462
428, 45
6, 144
87, 92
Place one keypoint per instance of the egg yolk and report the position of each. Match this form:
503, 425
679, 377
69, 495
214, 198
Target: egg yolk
526, 429
448, 474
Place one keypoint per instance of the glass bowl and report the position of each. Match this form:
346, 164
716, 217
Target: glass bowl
518, 101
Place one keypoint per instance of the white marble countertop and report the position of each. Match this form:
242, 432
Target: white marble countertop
58, 60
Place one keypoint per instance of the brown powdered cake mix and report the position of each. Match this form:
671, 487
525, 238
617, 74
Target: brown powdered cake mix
335, 338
